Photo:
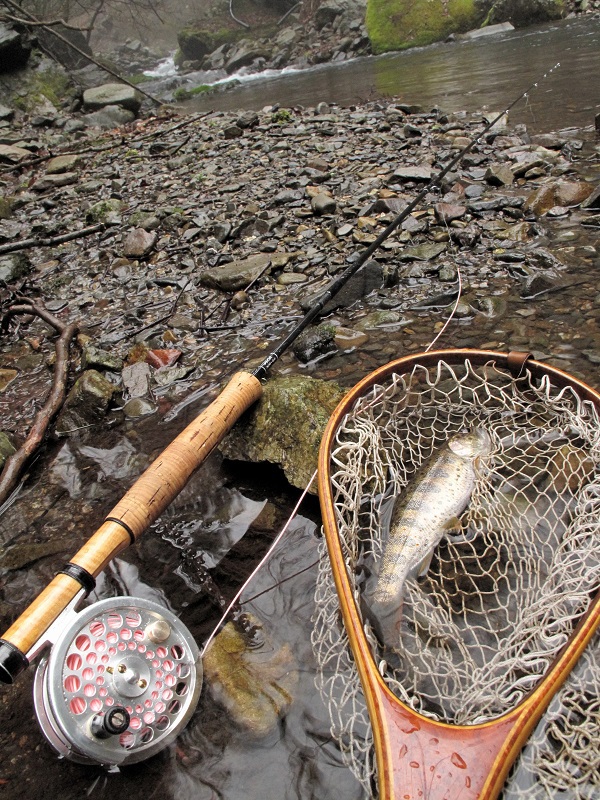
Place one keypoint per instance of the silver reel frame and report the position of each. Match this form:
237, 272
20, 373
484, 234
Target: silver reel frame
120, 682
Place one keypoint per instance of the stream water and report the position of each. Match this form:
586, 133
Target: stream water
465, 75
228, 514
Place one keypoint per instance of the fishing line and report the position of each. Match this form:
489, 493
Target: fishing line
259, 566
281, 582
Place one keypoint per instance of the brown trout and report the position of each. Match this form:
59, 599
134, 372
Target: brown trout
426, 509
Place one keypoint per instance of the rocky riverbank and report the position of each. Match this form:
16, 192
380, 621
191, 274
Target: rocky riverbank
199, 240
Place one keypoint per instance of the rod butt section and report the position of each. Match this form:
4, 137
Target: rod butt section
12, 662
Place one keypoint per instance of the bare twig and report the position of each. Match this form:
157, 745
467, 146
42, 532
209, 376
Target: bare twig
50, 241
43, 23
15, 463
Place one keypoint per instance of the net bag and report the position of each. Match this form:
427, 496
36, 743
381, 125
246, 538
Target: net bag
504, 594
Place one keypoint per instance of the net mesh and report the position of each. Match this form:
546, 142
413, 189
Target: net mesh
498, 602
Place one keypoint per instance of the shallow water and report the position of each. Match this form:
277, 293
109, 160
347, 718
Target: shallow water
466, 75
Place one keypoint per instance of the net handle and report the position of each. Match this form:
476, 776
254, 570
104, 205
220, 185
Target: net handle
133, 514
409, 747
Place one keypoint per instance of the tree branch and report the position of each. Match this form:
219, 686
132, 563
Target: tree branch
50, 241
15, 463
31, 24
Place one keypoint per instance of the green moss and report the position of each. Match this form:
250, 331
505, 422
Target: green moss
137, 79
51, 84
399, 24
282, 116
182, 94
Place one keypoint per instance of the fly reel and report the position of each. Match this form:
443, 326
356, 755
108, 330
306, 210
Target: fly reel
119, 684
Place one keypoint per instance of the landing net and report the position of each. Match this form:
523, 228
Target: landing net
480, 629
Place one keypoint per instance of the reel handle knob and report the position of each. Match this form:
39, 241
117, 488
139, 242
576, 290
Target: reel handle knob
113, 723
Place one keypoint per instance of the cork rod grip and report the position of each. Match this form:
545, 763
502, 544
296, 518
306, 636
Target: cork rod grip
139, 508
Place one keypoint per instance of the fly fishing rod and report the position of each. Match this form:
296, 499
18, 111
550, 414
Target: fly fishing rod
121, 678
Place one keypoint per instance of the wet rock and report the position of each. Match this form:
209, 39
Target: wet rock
7, 447
54, 181
60, 164
183, 322
447, 274
106, 211
315, 343
380, 319
15, 48
240, 300
593, 201
499, 175
93, 357
285, 426
448, 212
136, 379
253, 680
139, 243
347, 338
13, 267
423, 252
109, 117
323, 204
162, 358
370, 277
112, 94
237, 274
535, 285
139, 407
557, 193
421, 173
488, 30
86, 404
12, 154
22, 555
491, 306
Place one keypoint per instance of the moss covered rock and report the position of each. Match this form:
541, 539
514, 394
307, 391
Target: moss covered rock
399, 24
286, 426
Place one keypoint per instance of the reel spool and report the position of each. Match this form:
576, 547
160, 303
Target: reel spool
119, 684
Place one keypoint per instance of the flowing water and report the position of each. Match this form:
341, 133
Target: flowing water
465, 75
227, 515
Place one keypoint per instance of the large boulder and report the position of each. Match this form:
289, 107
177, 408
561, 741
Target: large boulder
195, 43
521, 13
112, 94
399, 24
15, 48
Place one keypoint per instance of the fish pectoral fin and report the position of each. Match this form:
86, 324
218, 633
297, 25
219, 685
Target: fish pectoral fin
455, 533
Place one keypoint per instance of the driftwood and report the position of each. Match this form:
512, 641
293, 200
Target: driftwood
14, 465
40, 241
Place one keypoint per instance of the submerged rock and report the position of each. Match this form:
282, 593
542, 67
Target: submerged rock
253, 680
86, 403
